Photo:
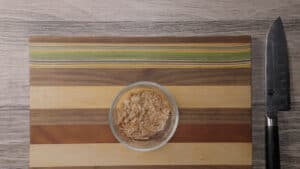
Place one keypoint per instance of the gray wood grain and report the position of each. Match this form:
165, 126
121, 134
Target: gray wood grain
20, 19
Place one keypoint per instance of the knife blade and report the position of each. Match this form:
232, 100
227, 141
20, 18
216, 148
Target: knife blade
277, 89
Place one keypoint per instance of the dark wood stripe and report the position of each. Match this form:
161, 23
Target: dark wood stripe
156, 167
165, 76
215, 116
213, 133
217, 39
68, 116
100, 116
68, 134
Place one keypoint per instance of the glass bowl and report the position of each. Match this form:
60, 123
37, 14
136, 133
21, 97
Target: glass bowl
153, 143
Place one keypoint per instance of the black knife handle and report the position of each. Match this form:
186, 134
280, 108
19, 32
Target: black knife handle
272, 143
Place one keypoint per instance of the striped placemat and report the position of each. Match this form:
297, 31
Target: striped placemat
74, 79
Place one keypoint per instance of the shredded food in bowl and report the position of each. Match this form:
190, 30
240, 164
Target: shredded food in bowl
142, 113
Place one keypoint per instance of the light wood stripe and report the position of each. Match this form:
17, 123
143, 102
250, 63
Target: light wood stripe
55, 44
42, 65
156, 167
76, 97
70, 134
164, 76
100, 116
110, 154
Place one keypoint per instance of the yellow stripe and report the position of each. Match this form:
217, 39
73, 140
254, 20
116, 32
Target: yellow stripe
141, 65
55, 97
141, 44
115, 154
144, 50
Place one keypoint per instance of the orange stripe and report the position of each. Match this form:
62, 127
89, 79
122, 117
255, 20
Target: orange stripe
67, 134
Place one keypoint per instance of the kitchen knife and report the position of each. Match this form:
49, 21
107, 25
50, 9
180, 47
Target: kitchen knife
277, 89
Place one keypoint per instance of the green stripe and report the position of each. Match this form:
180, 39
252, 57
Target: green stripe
137, 55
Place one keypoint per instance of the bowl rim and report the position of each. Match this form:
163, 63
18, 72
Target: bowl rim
169, 96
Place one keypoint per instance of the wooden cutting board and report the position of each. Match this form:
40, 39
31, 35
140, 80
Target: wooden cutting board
74, 79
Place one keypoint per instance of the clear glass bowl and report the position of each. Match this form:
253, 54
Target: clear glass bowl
158, 141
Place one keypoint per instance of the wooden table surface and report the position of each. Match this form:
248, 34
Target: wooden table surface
20, 19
